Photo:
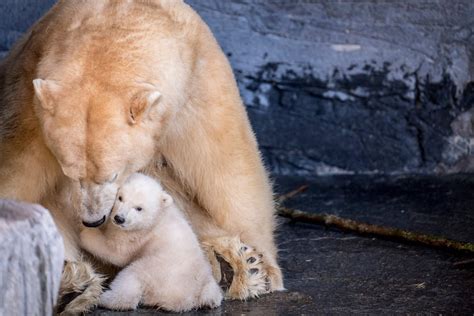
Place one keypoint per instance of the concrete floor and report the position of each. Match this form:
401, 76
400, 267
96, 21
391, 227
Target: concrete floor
328, 271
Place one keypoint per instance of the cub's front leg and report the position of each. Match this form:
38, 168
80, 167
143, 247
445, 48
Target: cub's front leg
94, 241
113, 249
125, 291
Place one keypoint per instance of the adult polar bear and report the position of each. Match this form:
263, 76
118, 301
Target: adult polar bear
97, 90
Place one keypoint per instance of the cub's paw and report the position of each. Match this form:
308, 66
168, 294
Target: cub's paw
239, 268
211, 295
113, 300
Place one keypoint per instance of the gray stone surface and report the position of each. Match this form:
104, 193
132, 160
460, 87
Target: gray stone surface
331, 272
352, 86
31, 259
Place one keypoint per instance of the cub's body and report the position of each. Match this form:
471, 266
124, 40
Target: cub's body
164, 265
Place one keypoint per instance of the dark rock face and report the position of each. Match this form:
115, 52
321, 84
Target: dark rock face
16, 16
342, 87
353, 86
355, 123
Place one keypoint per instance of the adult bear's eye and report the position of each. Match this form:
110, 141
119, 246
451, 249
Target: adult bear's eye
120, 198
138, 208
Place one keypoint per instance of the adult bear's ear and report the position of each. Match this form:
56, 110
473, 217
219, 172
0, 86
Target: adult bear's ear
166, 200
142, 104
45, 90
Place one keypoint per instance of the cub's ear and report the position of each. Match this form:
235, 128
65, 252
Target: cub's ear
45, 91
166, 200
142, 104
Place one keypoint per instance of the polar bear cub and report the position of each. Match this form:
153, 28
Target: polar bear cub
149, 236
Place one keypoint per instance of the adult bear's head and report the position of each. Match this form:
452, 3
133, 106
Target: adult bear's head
99, 136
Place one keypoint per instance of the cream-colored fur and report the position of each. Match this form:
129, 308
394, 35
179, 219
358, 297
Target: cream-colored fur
79, 279
98, 90
149, 236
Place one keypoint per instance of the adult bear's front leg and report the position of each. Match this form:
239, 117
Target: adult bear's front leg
249, 277
212, 155
228, 199
245, 267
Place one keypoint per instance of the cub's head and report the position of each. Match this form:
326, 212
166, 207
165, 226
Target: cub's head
140, 203
99, 136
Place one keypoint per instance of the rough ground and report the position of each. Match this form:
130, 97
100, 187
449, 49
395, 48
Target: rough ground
328, 271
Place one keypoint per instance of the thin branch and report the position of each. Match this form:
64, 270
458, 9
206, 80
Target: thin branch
367, 229
463, 263
291, 194
374, 230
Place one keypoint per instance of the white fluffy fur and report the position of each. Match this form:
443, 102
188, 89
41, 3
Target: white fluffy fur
164, 264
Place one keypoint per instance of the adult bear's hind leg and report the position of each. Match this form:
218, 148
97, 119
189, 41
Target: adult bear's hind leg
80, 288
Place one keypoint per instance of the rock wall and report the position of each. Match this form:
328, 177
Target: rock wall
351, 86
16, 16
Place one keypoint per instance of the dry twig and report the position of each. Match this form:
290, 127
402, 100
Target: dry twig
463, 263
368, 229
291, 194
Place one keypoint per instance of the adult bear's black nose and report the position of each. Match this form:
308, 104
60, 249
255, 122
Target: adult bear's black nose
119, 219
94, 224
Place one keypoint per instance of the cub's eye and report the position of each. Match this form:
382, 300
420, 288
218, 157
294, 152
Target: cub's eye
138, 208
120, 198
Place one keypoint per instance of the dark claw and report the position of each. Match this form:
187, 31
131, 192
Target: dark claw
260, 255
267, 284
253, 271
251, 260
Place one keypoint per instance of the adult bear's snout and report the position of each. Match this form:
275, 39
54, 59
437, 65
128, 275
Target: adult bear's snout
94, 224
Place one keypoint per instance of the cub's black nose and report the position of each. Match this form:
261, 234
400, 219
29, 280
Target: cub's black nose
119, 219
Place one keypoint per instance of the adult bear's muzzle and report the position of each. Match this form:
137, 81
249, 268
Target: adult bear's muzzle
96, 223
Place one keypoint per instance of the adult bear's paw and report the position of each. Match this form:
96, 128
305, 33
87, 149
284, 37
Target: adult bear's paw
80, 288
239, 268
